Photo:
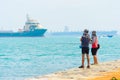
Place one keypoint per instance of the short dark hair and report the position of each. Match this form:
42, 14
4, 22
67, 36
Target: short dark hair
86, 31
93, 32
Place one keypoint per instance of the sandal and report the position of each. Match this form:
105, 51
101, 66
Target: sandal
88, 66
81, 67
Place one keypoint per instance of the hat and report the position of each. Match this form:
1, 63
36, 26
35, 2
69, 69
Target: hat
86, 31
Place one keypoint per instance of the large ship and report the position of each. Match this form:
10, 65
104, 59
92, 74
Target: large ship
66, 32
32, 28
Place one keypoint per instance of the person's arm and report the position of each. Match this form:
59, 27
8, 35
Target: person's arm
80, 39
90, 41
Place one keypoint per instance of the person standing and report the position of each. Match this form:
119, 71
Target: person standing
85, 40
94, 47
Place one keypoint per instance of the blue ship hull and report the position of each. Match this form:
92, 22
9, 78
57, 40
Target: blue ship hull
35, 33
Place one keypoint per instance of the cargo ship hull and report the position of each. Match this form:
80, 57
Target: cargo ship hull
35, 33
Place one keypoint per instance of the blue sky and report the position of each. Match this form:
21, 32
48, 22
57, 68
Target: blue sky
55, 14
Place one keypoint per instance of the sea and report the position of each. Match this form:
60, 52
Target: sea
27, 57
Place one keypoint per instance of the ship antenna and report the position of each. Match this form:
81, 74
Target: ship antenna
28, 18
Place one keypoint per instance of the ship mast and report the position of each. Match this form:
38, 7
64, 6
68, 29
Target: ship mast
28, 18
26, 27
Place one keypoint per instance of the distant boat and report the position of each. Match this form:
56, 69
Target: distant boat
66, 32
31, 29
109, 35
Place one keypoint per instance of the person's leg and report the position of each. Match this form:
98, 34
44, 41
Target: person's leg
82, 66
88, 57
88, 60
95, 59
95, 56
83, 59
94, 51
83, 55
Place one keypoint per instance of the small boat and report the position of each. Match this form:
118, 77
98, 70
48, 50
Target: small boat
109, 35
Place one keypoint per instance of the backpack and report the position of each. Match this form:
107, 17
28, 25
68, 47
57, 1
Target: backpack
85, 42
98, 46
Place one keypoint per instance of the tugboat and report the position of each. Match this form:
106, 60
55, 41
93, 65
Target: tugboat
31, 29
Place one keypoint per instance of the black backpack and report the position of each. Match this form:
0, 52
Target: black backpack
85, 41
98, 46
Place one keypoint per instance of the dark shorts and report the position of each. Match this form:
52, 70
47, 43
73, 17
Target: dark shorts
94, 51
85, 50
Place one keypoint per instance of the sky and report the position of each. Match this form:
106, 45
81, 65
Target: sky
54, 15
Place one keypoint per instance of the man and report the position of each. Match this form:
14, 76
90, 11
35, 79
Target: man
85, 40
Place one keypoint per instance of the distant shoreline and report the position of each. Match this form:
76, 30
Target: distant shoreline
102, 71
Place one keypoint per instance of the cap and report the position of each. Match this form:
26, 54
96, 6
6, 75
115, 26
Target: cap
86, 31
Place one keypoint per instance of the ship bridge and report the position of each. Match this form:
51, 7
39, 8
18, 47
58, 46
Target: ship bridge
31, 23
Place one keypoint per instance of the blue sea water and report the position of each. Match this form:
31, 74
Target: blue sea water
22, 58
